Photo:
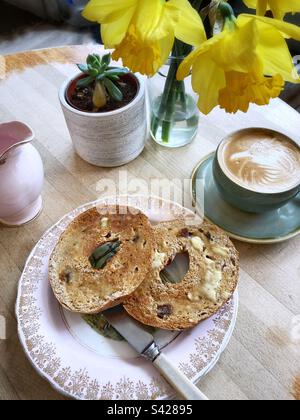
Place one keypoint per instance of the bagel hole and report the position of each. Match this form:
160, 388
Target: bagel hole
176, 269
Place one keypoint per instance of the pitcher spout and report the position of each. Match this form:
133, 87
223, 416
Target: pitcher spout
12, 135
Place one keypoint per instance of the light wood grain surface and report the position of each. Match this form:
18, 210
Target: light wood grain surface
261, 361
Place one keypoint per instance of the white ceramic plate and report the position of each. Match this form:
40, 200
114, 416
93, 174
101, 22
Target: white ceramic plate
82, 364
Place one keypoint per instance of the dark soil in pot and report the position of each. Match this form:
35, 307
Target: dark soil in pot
82, 98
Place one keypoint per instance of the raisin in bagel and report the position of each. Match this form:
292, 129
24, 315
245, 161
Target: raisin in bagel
101, 258
209, 283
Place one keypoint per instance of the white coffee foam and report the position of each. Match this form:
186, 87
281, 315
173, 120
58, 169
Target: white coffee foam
261, 160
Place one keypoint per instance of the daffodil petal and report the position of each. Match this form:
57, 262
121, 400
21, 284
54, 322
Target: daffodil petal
278, 7
251, 3
185, 66
165, 45
231, 50
190, 28
289, 5
105, 11
287, 29
113, 33
207, 79
238, 49
275, 54
143, 57
261, 6
245, 88
152, 20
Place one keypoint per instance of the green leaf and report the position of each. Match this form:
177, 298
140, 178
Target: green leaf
90, 60
98, 58
112, 77
106, 59
102, 68
113, 90
87, 81
116, 72
83, 68
93, 71
93, 61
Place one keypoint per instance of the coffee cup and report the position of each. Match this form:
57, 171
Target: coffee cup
257, 169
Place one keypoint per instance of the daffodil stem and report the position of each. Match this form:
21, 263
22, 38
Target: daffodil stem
177, 93
164, 100
173, 91
166, 128
182, 95
168, 120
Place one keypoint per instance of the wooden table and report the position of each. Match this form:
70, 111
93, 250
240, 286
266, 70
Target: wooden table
261, 361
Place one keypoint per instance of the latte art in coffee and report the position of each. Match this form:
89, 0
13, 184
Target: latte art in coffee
261, 161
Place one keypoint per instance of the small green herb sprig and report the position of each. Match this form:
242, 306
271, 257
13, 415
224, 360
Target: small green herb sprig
104, 79
104, 253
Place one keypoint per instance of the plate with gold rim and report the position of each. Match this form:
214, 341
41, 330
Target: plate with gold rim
83, 357
266, 228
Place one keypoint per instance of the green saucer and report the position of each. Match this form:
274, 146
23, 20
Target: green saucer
271, 227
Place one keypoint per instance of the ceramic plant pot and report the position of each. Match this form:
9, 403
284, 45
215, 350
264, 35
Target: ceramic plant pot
107, 139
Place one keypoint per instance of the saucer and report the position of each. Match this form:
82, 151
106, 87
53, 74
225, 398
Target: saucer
271, 227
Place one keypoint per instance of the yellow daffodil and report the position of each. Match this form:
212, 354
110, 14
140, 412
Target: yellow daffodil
243, 88
278, 7
143, 32
247, 62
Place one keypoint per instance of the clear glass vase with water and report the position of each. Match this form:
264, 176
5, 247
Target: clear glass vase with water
174, 112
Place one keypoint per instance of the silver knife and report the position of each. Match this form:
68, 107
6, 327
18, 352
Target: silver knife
144, 343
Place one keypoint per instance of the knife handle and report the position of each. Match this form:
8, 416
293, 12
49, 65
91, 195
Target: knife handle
178, 380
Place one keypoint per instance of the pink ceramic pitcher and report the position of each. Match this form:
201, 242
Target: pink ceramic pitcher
21, 175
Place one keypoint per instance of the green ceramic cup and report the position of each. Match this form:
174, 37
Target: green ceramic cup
247, 199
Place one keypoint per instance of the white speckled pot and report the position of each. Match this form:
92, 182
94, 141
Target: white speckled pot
108, 139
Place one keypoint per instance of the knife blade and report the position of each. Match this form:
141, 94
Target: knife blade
130, 329
144, 343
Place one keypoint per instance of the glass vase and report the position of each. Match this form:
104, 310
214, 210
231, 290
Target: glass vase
174, 112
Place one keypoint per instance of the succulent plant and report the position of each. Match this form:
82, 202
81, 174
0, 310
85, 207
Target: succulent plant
104, 79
